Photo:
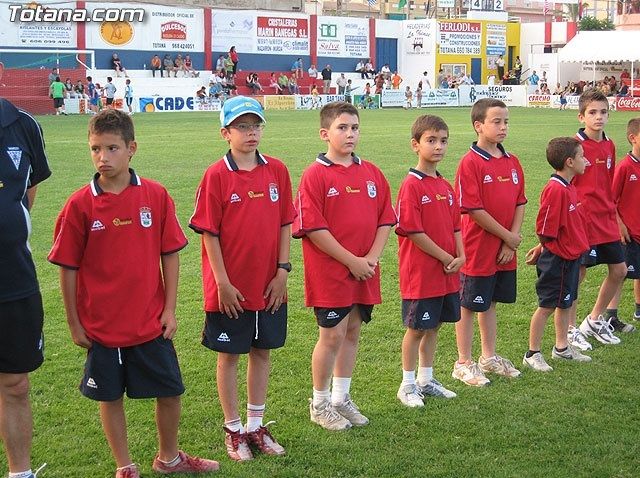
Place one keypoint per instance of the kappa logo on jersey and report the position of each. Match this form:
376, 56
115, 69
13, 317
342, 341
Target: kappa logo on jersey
15, 154
487, 179
571, 207
426, 316
145, 217
514, 176
332, 315
97, 225
633, 177
91, 383
273, 192
478, 300
332, 192
223, 337
234, 198
426, 199
371, 189
631, 268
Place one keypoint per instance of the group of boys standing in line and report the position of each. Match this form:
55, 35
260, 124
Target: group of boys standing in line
457, 258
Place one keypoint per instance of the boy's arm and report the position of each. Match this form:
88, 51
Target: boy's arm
68, 284
507, 251
382, 236
456, 264
358, 266
170, 274
429, 247
489, 224
276, 292
229, 297
622, 227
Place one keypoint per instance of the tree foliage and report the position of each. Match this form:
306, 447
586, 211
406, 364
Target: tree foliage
588, 23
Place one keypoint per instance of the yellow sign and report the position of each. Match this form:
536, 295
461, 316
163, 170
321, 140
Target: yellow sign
116, 33
285, 102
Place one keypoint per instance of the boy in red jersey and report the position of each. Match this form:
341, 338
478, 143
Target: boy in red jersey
595, 193
344, 217
563, 239
121, 305
430, 256
244, 212
626, 194
490, 188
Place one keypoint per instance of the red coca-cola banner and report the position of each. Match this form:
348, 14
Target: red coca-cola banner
628, 103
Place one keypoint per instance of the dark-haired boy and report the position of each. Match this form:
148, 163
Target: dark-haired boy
121, 304
563, 239
344, 217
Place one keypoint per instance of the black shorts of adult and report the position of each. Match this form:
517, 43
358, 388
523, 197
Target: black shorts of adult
558, 278
109, 101
260, 329
58, 102
129, 100
148, 370
632, 259
328, 317
478, 292
21, 340
424, 314
606, 253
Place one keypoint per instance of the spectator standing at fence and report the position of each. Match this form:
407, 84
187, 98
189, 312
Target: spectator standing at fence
313, 72
419, 95
53, 75
156, 65
396, 80
326, 79
426, 84
220, 63
500, 67
534, 79
235, 59
110, 92
517, 68
386, 71
228, 67
379, 83
128, 95
341, 83
297, 68
57, 93
117, 66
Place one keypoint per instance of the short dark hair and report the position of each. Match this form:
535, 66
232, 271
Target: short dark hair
480, 108
109, 78
427, 123
89, 78
589, 97
331, 111
114, 122
559, 149
633, 126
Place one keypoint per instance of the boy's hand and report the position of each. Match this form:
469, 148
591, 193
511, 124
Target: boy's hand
513, 240
505, 255
624, 233
276, 292
169, 324
361, 269
229, 299
455, 265
79, 337
532, 255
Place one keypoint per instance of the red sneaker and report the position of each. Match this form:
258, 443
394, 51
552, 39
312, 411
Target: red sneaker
188, 464
237, 445
130, 471
263, 440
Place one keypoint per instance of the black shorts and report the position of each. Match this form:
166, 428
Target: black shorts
58, 102
332, 316
259, 329
478, 292
423, 314
129, 100
148, 370
632, 259
109, 101
21, 340
607, 253
558, 278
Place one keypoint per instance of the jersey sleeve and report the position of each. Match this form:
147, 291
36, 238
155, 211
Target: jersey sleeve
69, 237
309, 205
287, 211
522, 198
455, 213
207, 214
408, 211
39, 163
549, 217
173, 238
618, 181
386, 214
468, 189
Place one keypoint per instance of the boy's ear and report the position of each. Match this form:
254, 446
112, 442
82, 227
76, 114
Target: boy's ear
133, 147
415, 145
324, 134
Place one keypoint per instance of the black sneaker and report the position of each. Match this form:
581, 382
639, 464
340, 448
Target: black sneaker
621, 326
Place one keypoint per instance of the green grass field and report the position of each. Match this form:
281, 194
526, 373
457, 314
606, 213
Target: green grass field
579, 420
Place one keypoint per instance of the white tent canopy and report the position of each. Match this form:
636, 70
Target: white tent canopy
602, 46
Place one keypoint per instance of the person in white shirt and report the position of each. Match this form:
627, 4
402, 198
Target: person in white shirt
386, 71
426, 84
313, 73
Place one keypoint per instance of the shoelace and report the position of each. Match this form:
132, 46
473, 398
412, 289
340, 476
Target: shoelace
475, 369
577, 336
352, 407
35, 473
506, 363
604, 327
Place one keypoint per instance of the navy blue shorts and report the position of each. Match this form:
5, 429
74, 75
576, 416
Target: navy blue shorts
632, 259
259, 329
21, 340
558, 278
332, 316
148, 370
477, 293
423, 314
607, 253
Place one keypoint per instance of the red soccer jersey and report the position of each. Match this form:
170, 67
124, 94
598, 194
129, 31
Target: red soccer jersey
594, 189
497, 186
561, 219
426, 205
626, 193
115, 242
351, 203
246, 211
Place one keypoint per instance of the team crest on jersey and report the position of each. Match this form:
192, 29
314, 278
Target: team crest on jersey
371, 189
450, 199
514, 176
273, 192
609, 162
15, 154
145, 217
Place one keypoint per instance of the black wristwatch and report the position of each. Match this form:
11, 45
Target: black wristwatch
285, 265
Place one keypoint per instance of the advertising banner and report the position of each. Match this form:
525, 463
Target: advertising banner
627, 103
416, 49
233, 28
343, 37
177, 103
496, 39
280, 102
515, 95
430, 98
366, 102
282, 35
540, 101
460, 38
309, 102
37, 34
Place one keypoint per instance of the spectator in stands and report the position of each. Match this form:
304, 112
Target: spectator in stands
624, 90
360, 68
491, 80
228, 68
464, 79
341, 83
348, 91
228, 84
441, 79
517, 68
386, 71
559, 89
188, 69
326, 79
128, 95
396, 80
110, 92
625, 75
369, 69
387, 83
53, 75
313, 72
534, 79
293, 85
233, 55
93, 97
613, 84
273, 83
57, 93
283, 81
117, 65
500, 67
201, 95
169, 67
220, 63
425, 80
156, 65
79, 90
178, 63
378, 82
297, 68
68, 89
215, 89
253, 82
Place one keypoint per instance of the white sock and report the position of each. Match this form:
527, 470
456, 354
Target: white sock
254, 416
340, 388
173, 462
235, 425
408, 377
320, 396
425, 374
21, 474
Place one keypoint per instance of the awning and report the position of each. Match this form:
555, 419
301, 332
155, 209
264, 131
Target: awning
602, 46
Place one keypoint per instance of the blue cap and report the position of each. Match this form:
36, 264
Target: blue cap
237, 106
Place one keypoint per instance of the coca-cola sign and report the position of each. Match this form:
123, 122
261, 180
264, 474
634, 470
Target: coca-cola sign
628, 103
173, 31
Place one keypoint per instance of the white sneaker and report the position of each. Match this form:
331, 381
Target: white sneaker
433, 388
469, 374
600, 329
575, 338
351, 412
327, 417
499, 365
537, 362
571, 353
410, 396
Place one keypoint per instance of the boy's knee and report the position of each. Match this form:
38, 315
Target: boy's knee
228, 360
618, 272
14, 387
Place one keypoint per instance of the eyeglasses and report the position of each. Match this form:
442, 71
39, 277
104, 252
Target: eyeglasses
246, 127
